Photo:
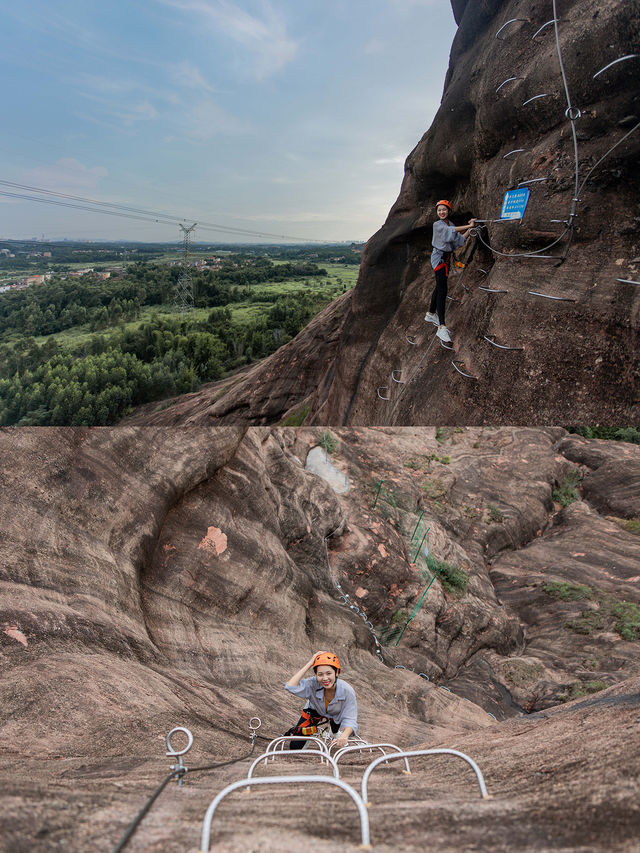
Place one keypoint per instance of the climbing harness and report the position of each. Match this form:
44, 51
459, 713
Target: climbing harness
308, 723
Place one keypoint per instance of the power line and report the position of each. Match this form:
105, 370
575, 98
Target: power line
128, 211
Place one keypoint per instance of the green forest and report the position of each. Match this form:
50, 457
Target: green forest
86, 351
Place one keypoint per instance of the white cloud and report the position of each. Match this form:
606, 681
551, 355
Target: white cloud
106, 85
207, 120
142, 111
265, 37
291, 216
66, 175
387, 161
186, 74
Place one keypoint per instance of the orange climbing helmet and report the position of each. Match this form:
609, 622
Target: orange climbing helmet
326, 659
444, 201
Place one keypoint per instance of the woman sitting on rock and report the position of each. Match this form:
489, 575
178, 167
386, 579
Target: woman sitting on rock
329, 699
446, 239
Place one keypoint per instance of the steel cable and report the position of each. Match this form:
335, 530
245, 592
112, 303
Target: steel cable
179, 772
130, 212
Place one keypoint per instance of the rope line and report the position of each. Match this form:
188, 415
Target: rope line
179, 773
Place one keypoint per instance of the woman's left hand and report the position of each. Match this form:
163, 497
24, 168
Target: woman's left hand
341, 741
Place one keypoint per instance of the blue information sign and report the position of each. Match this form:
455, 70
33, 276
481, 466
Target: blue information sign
514, 203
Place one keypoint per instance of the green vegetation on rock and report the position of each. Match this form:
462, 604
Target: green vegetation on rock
520, 673
630, 434
566, 591
434, 489
566, 492
583, 688
452, 578
295, 418
495, 515
588, 622
611, 613
328, 442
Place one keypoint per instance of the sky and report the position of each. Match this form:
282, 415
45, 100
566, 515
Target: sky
284, 117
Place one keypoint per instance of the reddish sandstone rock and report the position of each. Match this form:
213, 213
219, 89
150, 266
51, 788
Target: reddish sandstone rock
157, 577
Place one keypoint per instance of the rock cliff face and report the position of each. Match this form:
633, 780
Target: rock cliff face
502, 123
152, 577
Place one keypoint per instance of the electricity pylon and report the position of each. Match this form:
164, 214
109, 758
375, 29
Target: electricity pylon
183, 296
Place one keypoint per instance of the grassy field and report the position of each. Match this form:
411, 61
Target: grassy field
339, 279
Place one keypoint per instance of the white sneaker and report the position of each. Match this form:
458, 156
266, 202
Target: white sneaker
431, 318
443, 334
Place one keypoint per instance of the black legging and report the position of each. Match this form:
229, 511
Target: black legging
439, 295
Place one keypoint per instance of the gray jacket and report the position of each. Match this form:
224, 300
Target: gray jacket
445, 239
343, 708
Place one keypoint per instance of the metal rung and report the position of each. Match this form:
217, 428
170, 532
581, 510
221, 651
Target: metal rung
462, 373
627, 281
543, 257
383, 388
442, 687
446, 346
515, 151
415, 753
557, 298
393, 377
424, 675
615, 62
491, 290
279, 742
510, 21
537, 32
305, 753
535, 98
501, 346
484, 272
533, 181
362, 746
411, 339
289, 780
508, 80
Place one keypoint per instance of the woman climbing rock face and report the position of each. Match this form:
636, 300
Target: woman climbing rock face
446, 239
329, 699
